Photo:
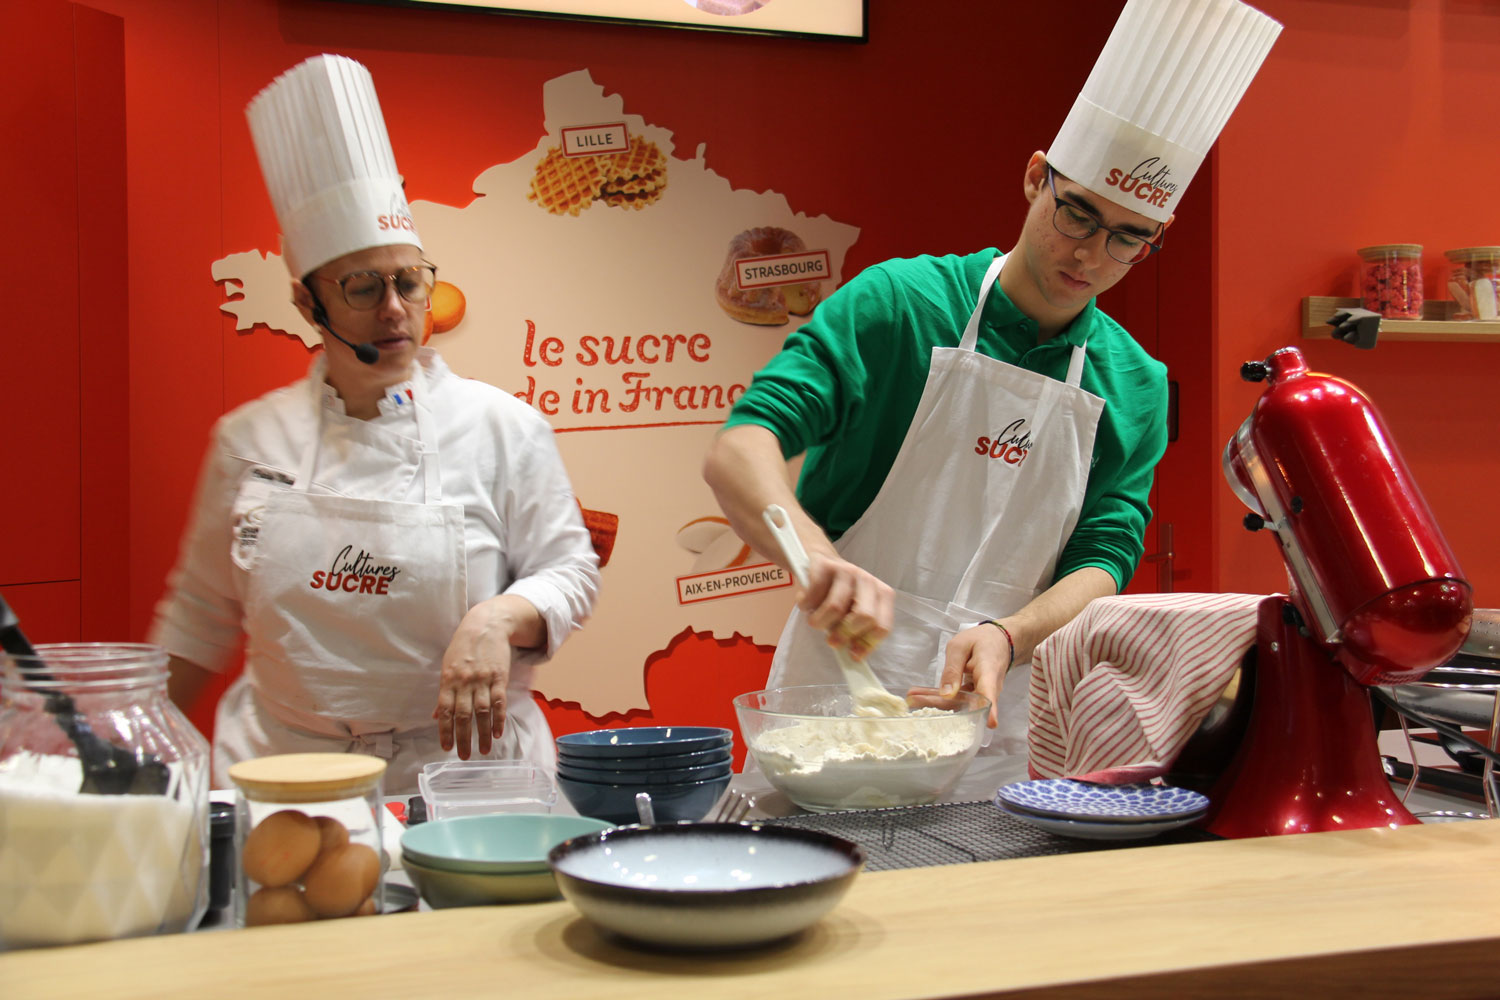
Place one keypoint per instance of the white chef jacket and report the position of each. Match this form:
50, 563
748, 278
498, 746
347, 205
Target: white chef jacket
523, 532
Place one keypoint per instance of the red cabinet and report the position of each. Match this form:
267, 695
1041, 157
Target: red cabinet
64, 504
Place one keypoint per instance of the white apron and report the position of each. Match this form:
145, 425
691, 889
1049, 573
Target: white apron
349, 608
970, 520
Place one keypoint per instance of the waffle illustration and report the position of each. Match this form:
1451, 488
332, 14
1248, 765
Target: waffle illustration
633, 178
566, 185
633, 201
603, 527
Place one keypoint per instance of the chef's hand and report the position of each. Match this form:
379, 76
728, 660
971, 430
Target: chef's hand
476, 669
852, 605
977, 659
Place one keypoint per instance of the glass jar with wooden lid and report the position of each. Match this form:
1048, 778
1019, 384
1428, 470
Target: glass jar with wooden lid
307, 837
1474, 282
1390, 279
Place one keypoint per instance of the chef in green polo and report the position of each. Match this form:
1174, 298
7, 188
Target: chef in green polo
979, 437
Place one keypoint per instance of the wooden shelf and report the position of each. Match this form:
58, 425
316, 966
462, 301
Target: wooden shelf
1434, 326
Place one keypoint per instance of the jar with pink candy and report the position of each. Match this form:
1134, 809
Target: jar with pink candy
1391, 280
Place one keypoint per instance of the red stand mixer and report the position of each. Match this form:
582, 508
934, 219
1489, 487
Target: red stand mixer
1376, 598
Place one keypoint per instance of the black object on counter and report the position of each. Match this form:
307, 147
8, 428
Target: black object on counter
416, 810
107, 769
220, 855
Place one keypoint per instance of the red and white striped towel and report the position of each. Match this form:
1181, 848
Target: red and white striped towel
1117, 692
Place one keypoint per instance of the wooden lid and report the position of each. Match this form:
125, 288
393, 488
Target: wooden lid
1391, 250
1465, 254
307, 777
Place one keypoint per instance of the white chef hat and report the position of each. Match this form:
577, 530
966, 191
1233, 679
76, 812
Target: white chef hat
327, 163
1169, 77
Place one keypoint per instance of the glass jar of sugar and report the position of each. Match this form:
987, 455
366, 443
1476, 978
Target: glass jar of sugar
1390, 280
307, 837
104, 807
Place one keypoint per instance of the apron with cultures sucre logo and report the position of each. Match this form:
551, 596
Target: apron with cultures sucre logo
971, 518
349, 608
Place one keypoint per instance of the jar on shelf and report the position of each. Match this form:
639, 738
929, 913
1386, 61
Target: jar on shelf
1474, 282
307, 836
104, 804
1390, 280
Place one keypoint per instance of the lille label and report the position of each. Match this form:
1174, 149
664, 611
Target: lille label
590, 140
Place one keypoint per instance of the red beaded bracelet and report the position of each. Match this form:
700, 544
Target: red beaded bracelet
1008, 640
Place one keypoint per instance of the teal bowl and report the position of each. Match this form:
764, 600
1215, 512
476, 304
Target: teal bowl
494, 844
443, 889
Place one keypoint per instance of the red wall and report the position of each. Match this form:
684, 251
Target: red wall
1369, 126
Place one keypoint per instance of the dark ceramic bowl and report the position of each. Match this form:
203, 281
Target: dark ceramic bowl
705, 885
669, 803
643, 741
658, 762
647, 779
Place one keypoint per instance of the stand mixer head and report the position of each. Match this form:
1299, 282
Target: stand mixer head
1372, 576
1374, 589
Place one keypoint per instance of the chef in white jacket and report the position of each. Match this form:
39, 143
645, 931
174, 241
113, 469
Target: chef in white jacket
398, 546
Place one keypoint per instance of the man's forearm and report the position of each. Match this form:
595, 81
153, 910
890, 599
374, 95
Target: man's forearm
745, 469
1055, 607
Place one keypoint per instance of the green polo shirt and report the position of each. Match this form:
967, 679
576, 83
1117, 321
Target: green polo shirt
845, 385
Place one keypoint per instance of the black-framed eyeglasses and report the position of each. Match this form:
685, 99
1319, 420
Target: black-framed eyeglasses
365, 290
1077, 223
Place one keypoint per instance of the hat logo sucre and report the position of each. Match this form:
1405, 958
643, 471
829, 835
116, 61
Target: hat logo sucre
1165, 83
1147, 181
397, 216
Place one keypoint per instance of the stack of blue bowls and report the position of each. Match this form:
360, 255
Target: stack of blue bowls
684, 769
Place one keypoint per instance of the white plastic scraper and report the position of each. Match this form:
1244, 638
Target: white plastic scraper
870, 698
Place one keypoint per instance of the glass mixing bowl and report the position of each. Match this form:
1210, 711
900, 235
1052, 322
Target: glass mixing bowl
812, 748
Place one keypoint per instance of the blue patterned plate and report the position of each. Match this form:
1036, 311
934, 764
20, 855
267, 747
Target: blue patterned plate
1063, 798
1102, 831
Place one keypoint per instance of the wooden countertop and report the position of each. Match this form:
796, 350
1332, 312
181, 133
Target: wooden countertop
1410, 912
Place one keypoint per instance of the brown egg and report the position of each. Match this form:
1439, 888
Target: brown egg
339, 882
334, 834
281, 905
367, 908
280, 848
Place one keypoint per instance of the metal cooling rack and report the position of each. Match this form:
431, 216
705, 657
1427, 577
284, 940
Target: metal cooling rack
953, 833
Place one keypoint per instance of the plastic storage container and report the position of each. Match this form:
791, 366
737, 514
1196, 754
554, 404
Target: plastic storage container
475, 787
1390, 280
1474, 282
307, 837
107, 841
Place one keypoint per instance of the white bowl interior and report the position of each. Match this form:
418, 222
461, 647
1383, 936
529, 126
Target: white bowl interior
723, 858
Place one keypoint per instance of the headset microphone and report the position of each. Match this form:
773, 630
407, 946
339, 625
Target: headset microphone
368, 353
